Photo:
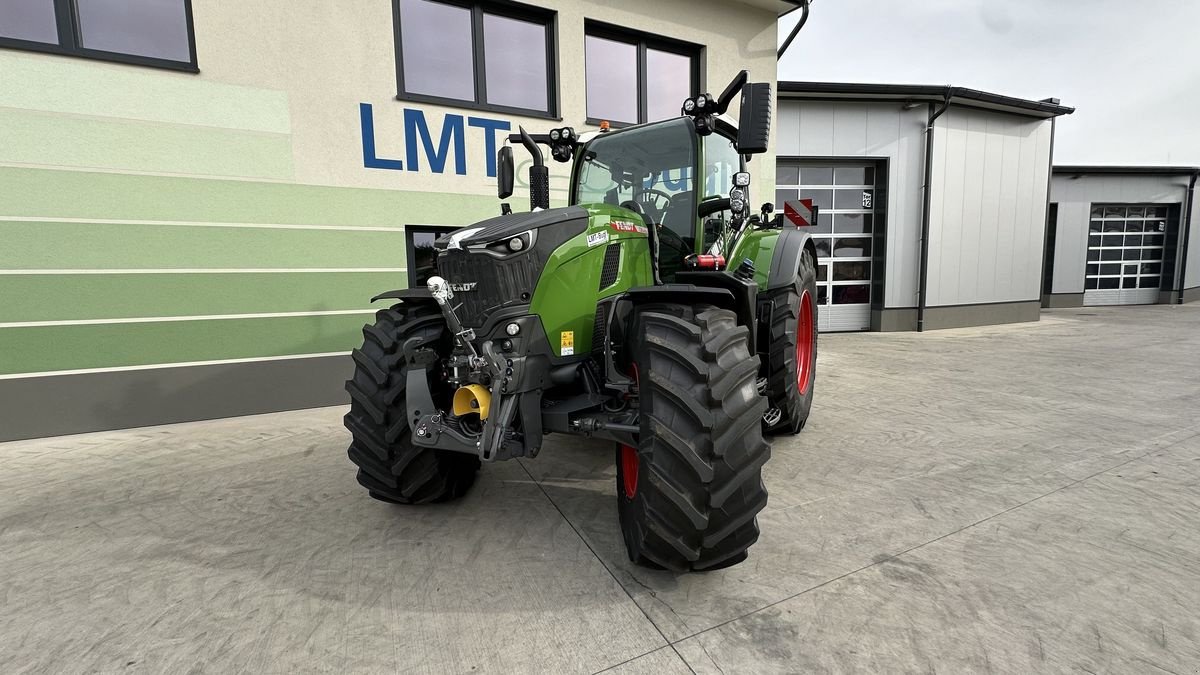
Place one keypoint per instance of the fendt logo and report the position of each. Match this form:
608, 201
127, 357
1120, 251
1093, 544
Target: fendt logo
463, 288
451, 144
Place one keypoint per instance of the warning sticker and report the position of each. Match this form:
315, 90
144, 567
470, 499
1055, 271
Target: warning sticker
597, 238
567, 343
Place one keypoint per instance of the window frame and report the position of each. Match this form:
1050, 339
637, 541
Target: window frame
643, 41
70, 42
512, 10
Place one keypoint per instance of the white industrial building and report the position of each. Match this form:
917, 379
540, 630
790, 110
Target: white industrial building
1115, 236
893, 255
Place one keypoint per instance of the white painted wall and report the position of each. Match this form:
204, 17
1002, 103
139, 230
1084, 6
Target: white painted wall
871, 131
1075, 195
987, 207
330, 56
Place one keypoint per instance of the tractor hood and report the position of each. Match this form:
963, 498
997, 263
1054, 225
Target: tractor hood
502, 227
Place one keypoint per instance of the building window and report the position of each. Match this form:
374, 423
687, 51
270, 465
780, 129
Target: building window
634, 78
142, 32
492, 56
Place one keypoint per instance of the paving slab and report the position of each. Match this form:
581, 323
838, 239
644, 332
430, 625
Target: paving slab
246, 545
1015, 498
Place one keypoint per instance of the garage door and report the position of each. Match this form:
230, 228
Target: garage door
1125, 254
845, 195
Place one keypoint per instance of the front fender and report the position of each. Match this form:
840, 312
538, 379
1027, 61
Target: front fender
410, 296
785, 261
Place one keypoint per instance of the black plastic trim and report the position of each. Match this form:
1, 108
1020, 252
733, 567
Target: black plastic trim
785, 262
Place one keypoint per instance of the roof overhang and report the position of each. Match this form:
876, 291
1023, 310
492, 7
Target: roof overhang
1128, 170
922, 93
780, 7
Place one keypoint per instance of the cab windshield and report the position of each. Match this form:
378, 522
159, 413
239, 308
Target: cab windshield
648, 170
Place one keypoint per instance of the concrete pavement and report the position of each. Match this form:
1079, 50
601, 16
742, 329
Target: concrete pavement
1018, 498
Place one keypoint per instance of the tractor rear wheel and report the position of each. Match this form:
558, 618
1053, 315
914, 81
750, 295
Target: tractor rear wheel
390, 466
689, 493
792, 357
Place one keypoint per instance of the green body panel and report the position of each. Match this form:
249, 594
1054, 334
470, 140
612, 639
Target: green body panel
759, 247
568, 289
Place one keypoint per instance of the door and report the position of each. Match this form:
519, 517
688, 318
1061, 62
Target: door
1126, 244
845, 197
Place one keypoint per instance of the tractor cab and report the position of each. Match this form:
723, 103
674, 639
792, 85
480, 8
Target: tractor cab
677, 181
683, 177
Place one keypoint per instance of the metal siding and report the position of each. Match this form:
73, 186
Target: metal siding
987, 208
1075, 193
875, 131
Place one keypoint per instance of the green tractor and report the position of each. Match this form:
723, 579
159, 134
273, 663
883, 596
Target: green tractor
614, 318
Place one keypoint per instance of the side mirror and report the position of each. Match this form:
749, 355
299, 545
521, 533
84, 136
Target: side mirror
754, 120
504, 172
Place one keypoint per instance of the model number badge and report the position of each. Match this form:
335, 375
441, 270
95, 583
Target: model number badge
597, 238
567, 343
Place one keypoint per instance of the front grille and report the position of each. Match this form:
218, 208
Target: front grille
612, 265
600, 329
497, 282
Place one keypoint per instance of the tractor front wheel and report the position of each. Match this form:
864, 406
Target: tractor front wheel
689, 493
792, 358
390, 466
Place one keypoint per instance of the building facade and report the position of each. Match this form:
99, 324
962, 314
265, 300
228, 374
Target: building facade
895, 256
1122, 235
198, 199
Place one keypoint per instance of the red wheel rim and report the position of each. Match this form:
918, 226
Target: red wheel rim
629, 455
804, 344
629, 470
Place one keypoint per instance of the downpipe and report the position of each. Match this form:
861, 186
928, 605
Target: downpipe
923, 284
1185, 241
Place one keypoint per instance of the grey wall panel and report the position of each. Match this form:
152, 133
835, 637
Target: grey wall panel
1075, 194
71, 404
871, 131
987, 207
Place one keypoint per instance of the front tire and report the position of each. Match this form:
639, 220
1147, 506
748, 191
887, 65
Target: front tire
390, 466
792, 356
689, 494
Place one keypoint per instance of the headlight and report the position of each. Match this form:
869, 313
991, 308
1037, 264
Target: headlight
737, 205
737, 193
511, 245
689, 105
554, 134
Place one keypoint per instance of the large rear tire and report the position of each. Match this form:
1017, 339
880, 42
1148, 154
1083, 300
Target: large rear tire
792, 356
689, 494
390, 466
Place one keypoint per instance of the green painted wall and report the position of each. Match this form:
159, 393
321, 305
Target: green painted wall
56, 220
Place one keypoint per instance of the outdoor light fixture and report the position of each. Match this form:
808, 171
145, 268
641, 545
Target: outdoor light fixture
516, 244
741, 178
512, 328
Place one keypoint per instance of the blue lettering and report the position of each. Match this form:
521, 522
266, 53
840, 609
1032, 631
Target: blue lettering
490, 127
370, 160
453, 131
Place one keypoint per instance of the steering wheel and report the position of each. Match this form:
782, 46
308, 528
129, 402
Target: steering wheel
655, 203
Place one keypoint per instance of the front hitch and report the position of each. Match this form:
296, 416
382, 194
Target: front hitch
497, 440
